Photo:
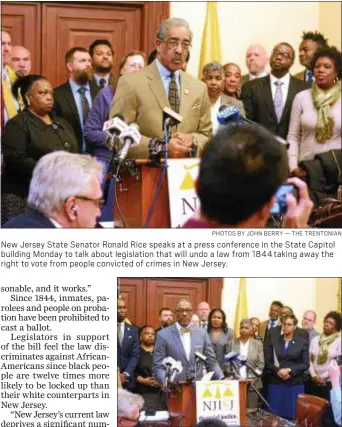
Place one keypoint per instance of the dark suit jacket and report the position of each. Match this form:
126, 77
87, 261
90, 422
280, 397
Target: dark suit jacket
256, 96
129, 352
32, 219
65, 107
297, 358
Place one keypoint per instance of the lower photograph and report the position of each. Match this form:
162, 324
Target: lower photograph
210, 352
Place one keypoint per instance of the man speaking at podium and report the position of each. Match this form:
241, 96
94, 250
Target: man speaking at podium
180, 343
141, 97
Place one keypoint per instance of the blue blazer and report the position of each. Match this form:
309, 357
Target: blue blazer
296, 358
129, 352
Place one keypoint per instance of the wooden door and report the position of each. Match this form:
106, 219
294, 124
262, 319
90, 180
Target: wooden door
50, 29
145, 297
23, 21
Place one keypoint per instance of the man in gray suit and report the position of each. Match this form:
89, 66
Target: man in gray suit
181, 343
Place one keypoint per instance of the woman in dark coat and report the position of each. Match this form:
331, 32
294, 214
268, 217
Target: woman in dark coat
287, 360
29, 136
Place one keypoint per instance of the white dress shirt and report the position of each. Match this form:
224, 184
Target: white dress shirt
214, 111
186, 340
244, 351
284, 86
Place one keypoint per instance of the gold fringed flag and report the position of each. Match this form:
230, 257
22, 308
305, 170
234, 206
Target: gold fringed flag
241, 311
211, 44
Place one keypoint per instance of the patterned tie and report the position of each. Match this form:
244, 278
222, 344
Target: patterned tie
309, 77
84, 103
120, 337
173, 94
102, 83
278, 100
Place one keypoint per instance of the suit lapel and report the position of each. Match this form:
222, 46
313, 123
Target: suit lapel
71, 101
290, 97
185, 94
156, 86
267, 94
178, 341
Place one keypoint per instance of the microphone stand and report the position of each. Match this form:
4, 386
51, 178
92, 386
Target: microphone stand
112, 163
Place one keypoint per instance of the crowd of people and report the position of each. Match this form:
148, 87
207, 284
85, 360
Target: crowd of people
304, 110
283, 358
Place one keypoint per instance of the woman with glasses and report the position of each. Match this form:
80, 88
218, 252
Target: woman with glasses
315, 125
219, 333
323, 349
287, 358
28, 136
253, 351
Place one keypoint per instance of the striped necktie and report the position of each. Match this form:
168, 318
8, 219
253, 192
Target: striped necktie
84, 103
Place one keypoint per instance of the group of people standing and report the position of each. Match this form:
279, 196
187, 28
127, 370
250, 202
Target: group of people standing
286, 359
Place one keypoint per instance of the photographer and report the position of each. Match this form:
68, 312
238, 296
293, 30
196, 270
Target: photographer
240, 171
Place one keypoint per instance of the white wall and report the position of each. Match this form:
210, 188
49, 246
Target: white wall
300, 294
243, 23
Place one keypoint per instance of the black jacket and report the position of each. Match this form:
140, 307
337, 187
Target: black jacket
32, 219
26, 139
256, 96
65, 107
297, 358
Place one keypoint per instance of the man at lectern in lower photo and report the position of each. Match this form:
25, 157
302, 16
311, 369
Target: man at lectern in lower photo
184, 345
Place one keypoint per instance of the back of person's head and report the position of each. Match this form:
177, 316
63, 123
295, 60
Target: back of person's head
240, 171
129, 404
211, 422
24, 84
58, 176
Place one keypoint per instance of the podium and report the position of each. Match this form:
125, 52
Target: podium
182, 403
136, 192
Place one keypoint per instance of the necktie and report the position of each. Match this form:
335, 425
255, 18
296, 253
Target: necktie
185, 331
120, 337
8, 98
84, 103
309, 77
278, 100
102, 83
173, 94
204, 325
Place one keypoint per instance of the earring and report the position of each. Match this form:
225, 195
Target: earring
28, 101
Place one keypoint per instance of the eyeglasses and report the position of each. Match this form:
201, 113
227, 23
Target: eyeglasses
186, 310
174, 43
99, 203
282, 54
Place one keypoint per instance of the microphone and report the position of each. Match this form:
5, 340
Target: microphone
243, 359
231, 114
114, 127
200, 357
176, 369
129, 137
232, 358
170, 117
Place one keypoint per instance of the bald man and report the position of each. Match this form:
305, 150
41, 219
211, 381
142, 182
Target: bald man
203, 310
21, 61
256, 61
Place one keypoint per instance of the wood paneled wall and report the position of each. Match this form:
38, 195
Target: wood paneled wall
49, 29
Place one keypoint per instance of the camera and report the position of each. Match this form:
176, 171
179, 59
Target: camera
280, 205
